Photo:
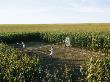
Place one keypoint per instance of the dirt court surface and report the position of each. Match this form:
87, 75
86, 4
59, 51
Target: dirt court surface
63, 55
62, 52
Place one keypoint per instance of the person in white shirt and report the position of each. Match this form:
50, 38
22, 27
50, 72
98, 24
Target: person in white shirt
67, 41
51, 51
23, 45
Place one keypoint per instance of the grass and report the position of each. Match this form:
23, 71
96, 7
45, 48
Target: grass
54, 27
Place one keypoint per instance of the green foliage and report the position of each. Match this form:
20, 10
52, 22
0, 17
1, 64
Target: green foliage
97, 70
16, 66
90, 40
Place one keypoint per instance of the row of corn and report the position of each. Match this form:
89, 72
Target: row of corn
90, 40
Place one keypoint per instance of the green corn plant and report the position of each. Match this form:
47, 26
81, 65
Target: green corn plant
97, 70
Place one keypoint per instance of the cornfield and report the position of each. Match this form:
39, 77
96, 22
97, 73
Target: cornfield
19, 66
90, 40
97, 70
54, 27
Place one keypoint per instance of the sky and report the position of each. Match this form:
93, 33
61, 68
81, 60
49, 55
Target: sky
54, 11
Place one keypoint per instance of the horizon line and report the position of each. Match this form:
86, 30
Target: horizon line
58, 23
